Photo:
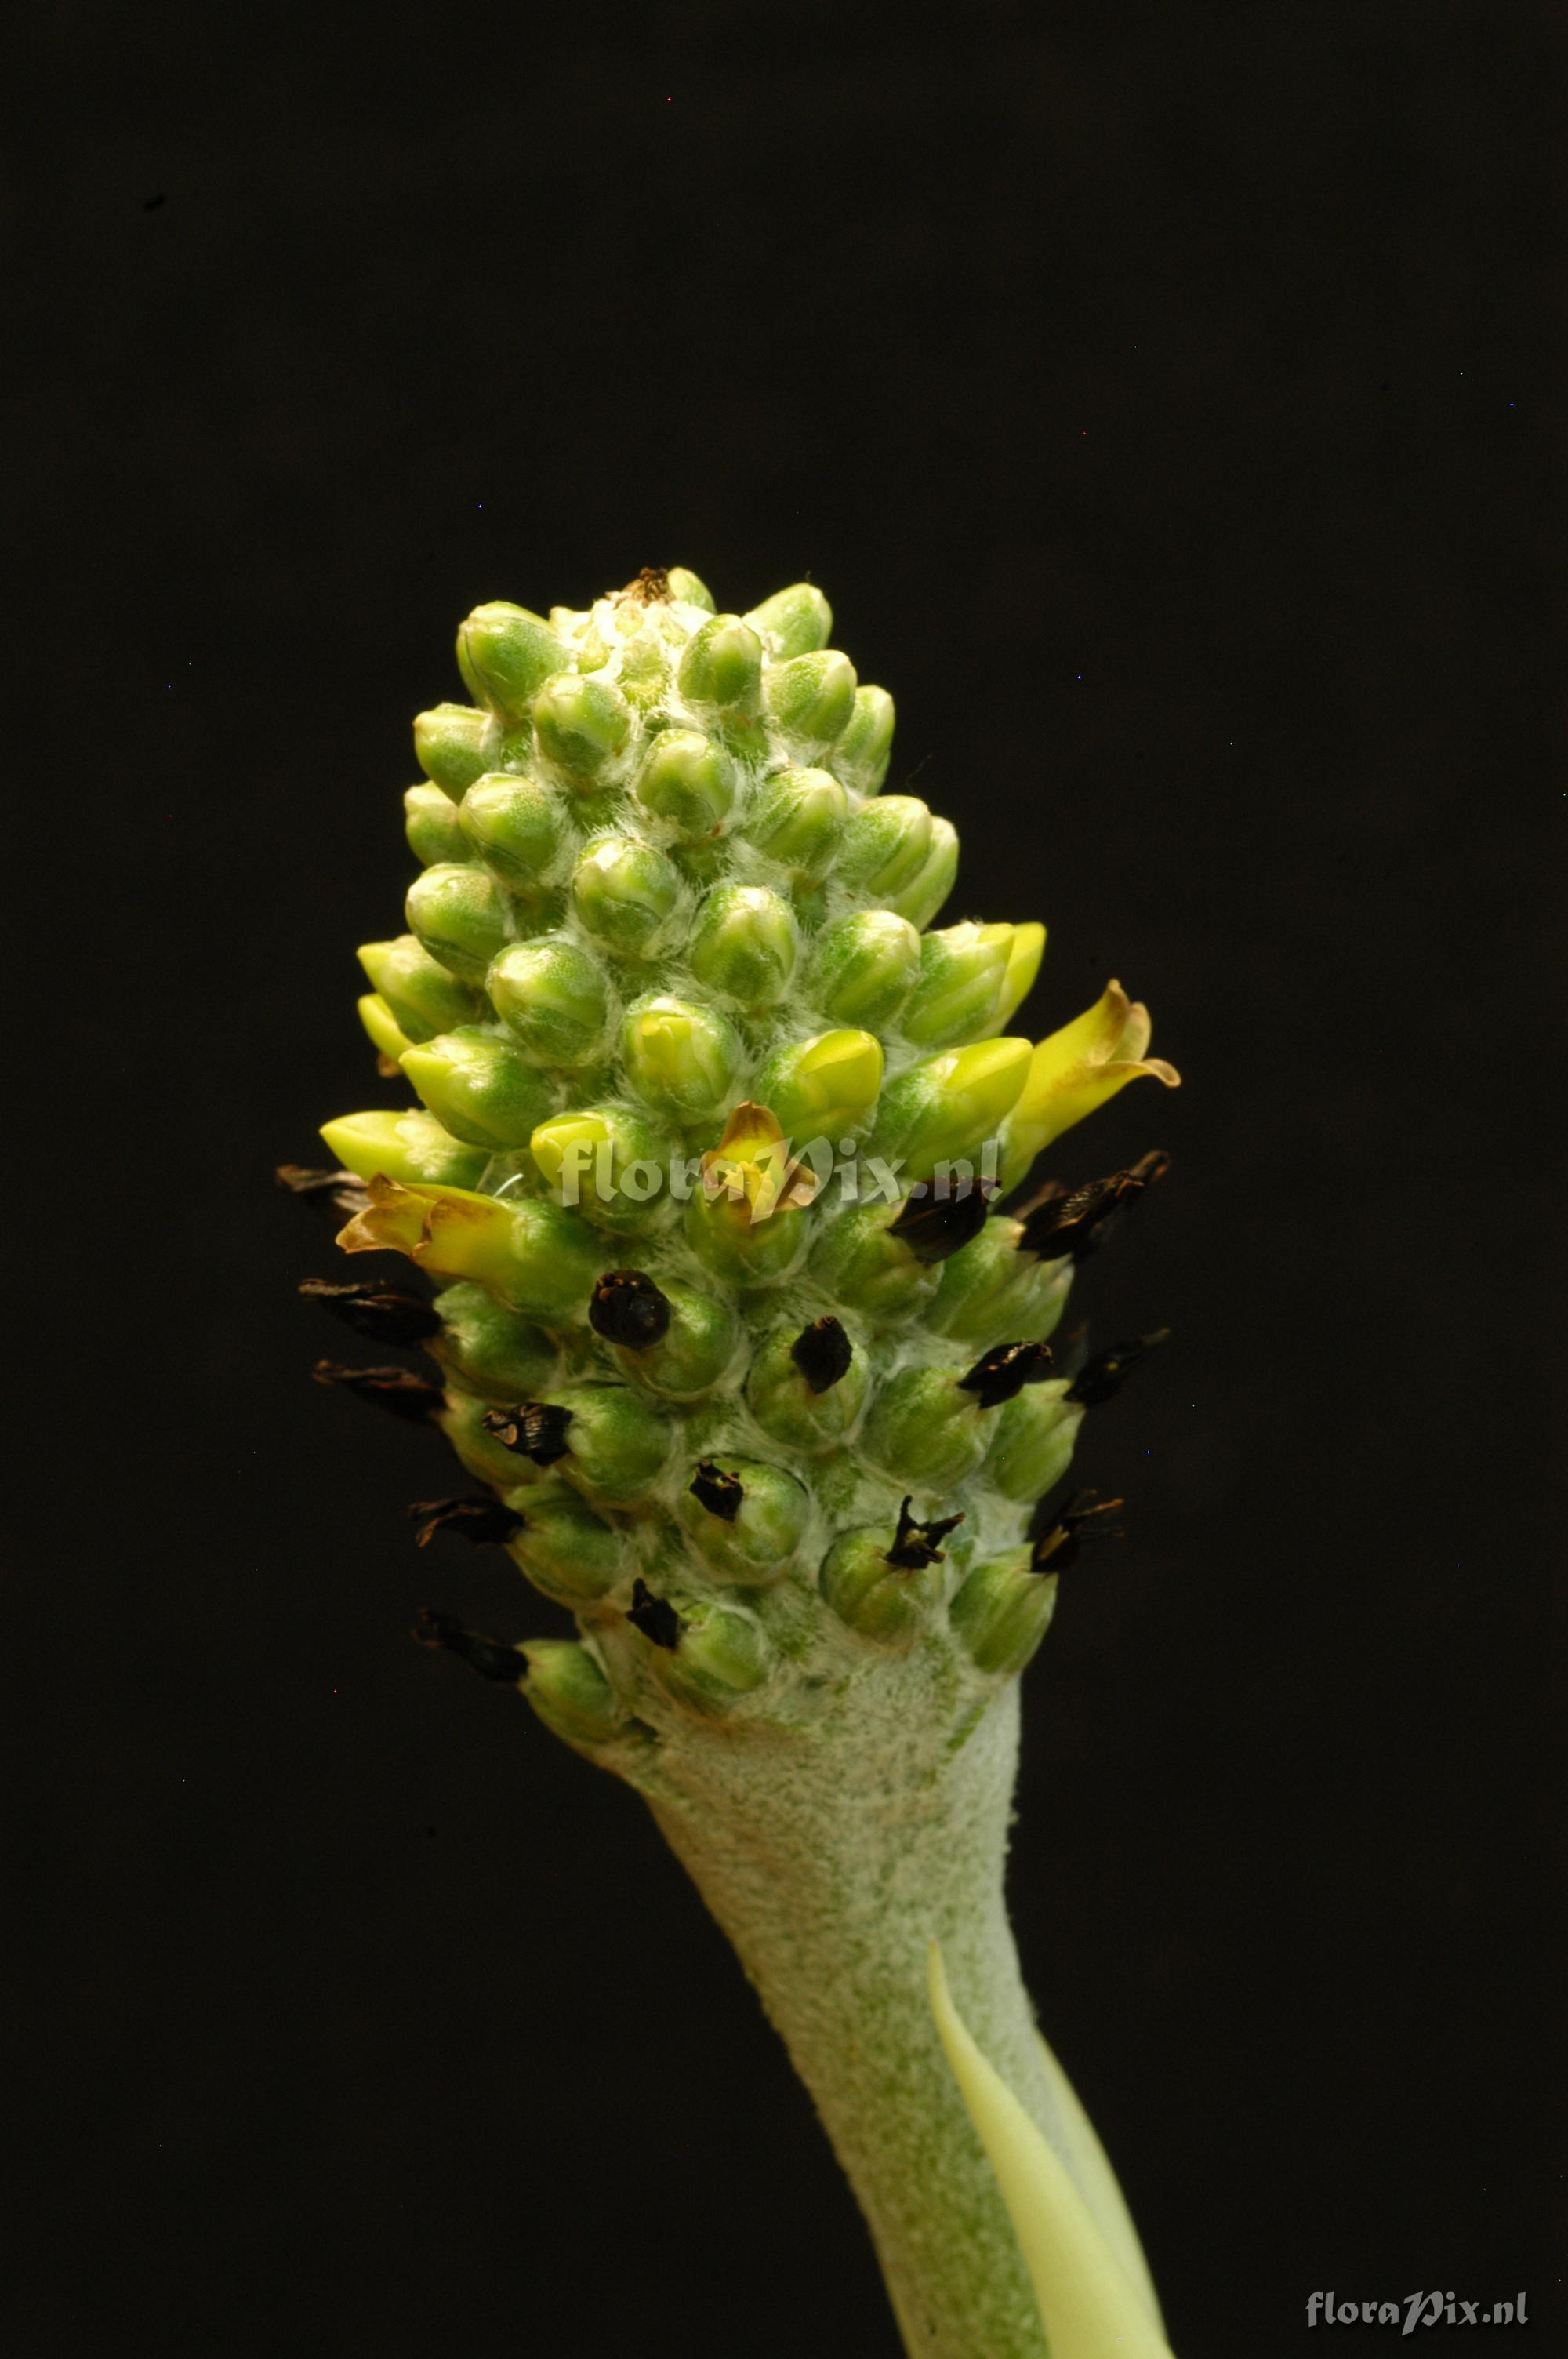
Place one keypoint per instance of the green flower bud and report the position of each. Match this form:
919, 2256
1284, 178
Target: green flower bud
884, 1600
682, 1060
811, 698
1033, 1440
826, 1088
925, 1430
1022, 966
863, 1264
694, 1351
963, 971
686, 781
506, 654
721, 669
719, 1654
430, 824
885, 847
388, 1035
623, 892
724, 1238
792, 621
645, 672
1002, 1611
920, 900
583, 726
805, 1398
479, 1451
461, 918
861, 755
744, 1519
424, 997
798, 820
515, 825
991, 1289
452, 743
551, 994
412, 1148
745, 944
567, 1550
864, 968
570, 1693
947, 1107
617, 1442
480, 1089
684, 586
487, 1348
611, 1159
535, 1256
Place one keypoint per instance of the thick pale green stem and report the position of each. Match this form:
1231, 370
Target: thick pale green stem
831, 1866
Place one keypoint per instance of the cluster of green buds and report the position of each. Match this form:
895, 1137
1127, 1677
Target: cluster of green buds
708, 1132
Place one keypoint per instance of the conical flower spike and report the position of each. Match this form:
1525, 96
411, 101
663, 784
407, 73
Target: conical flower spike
479, 1088
515, 826
688, 781
864, 967
950, 1107
745, 944
423, 996
792, 621
861, 755
506, 654
825, 1088
681, 1060
453, 743
1076, 1070
553, 997
583, 726
431, 826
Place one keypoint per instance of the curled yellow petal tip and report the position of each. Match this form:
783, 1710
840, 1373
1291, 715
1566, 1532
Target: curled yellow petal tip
1088, 2307
1076, 1071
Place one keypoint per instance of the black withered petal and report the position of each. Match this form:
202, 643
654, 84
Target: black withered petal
386, 1314
720, 1492
393, 1389
628, 1309
490, 1658
335, 1191
1101, 1378
535, 1429
822, 1352
1057, 1546
914, 1545
1061, 1220
938, 1217
654, 1617
476, 1518
1006, 1371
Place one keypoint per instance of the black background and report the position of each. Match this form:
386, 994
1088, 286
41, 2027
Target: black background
1159, 397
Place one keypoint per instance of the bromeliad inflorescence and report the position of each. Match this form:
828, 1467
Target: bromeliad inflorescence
708, 1133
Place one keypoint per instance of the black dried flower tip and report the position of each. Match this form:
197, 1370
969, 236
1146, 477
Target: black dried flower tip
393, 1389
939, 1219
914, 1545
1005, 1372
651, 587
385, 1314
1101, 1378
1058, 1547
628, 1309
654, 1617
822, 1352
533, 1430
477, 1520
1077, 1221
335, 1191
720, 1492
489, 1657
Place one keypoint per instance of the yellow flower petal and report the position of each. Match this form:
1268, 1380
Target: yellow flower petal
1076, 1070
1089, 2306
752, 1165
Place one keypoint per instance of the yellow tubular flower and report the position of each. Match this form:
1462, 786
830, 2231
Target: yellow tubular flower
1076, 1070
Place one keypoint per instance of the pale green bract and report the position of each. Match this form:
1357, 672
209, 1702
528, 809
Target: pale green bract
741, 1382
